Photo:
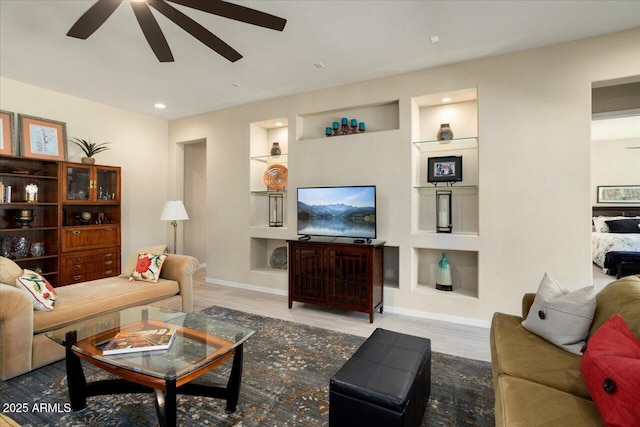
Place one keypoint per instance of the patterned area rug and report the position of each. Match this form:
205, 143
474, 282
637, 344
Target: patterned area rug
287, 367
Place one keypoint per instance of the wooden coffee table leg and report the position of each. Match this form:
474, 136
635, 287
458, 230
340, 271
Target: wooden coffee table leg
75, 375
235, 379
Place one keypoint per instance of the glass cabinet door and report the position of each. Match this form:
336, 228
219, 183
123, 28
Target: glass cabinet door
77, 183
107, 187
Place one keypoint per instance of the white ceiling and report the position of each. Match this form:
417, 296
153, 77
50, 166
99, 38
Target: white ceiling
355, 40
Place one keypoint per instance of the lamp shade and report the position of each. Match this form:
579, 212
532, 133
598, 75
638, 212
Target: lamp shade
174, 210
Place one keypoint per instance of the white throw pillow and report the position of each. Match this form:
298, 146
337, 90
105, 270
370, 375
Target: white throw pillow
38, 288
561, 317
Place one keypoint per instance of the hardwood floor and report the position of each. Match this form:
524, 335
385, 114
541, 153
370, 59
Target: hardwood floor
459, 340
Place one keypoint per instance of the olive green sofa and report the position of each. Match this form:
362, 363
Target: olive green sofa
539, 384
23, 344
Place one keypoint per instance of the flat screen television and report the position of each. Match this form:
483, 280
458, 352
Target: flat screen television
337, 211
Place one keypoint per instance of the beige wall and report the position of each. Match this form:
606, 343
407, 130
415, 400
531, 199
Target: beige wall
534, 114
195, 193
138, 145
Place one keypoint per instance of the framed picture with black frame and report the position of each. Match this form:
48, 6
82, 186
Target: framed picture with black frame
444, 169
619, 194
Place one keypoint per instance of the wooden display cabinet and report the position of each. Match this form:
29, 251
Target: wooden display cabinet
334, 274
90, 234
17, 242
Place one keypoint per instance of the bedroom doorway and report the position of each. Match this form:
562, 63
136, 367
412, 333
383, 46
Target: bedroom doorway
615, 161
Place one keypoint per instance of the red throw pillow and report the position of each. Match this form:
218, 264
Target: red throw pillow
610, 367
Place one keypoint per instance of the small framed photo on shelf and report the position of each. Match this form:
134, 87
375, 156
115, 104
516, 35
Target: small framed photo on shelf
8, 145
42, 138
619, 194
444, 169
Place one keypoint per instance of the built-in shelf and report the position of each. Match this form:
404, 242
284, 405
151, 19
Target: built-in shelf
377, 117
269, 159
462, 245
267, 192
452, 144
262, 136
446, 187
464, 271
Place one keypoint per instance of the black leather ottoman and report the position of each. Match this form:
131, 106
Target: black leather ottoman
387, 382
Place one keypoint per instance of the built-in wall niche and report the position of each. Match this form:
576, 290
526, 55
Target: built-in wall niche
464, 271
377, 117
458, 109
464, 209
259, 210
262, 135
391, 267
261, 252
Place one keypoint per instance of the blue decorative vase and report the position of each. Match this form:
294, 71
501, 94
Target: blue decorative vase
443, 279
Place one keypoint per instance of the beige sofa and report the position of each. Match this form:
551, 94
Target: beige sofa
539, 384
23, 344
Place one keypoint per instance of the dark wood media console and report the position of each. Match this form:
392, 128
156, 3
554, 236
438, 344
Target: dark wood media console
345, 275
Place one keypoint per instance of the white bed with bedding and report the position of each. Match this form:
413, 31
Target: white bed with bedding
603, 240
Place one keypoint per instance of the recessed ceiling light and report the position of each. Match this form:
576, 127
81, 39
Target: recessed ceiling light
278, 123
434, 39
319, 65
446, 99
159, 105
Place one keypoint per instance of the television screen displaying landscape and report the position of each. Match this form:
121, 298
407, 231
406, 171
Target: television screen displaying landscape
337, 211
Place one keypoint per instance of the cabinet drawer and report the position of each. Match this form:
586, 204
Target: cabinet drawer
68, 279
111, 254
90, 237
89, 265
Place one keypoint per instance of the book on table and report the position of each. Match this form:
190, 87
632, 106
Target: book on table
141, 340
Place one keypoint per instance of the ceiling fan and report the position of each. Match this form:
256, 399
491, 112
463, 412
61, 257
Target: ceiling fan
97, 14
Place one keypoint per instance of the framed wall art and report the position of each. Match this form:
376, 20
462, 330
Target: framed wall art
444, 169
42, 138
8, 144
619, 194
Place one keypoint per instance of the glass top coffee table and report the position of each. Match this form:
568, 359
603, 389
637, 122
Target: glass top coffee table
200, 345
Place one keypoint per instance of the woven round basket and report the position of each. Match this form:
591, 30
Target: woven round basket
275, 177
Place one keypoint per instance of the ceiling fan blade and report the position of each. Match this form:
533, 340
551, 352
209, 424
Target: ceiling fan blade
236, 12
93, 18
196, 30
152, 31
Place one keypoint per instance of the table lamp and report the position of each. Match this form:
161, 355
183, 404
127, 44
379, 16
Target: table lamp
174, 211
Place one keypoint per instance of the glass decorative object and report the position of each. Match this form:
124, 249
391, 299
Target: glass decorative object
37, 248
276, 201
443, 279
21, 247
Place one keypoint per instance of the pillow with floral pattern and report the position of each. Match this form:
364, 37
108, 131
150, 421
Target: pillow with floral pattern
38, 288
148, 267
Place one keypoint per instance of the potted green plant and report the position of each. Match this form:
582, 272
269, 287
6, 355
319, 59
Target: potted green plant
90, 149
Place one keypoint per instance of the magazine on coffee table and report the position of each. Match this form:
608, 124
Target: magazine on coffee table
142, 340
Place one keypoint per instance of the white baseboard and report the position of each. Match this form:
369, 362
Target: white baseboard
439, 317
247, 287
396, 310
